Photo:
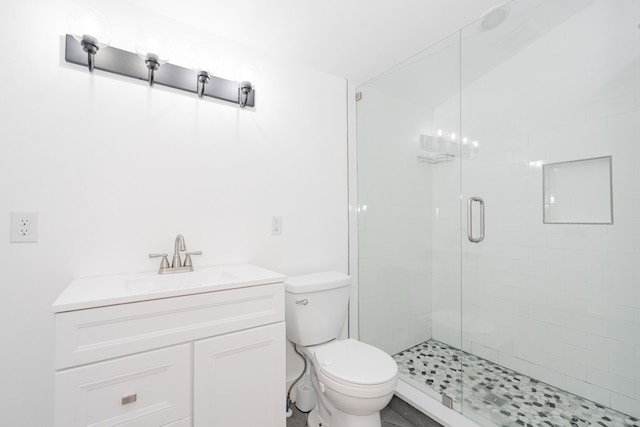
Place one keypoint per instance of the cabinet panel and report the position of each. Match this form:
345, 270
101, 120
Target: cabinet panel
86, 336
239, 379
185, 422
149, 389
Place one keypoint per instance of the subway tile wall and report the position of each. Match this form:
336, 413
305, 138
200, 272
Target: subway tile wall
559, 302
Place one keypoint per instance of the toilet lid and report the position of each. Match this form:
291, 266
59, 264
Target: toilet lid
355, 362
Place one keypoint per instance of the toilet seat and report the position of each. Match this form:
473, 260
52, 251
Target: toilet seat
355, 368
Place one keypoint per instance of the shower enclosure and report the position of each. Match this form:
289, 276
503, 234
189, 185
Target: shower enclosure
499, 215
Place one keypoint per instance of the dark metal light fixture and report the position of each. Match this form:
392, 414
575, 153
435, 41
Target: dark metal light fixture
91, 30
91, 34
203, 79
244, 90
204, 63
248, 75
154, 51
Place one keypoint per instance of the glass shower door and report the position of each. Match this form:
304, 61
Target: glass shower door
408, 192
550, 191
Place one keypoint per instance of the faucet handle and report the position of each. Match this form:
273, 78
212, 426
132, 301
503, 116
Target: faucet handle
187, 258
164, 263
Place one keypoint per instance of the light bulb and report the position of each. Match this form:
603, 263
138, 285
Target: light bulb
202, 59
204, 63
91, 30
87, 22
154, 51
152, 45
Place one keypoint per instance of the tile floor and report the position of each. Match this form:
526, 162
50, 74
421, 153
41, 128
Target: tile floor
397, 413
494, 395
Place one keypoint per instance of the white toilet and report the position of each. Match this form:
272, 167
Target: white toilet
353, 380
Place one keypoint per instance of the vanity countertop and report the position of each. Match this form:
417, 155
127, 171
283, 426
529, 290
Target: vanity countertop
101, 291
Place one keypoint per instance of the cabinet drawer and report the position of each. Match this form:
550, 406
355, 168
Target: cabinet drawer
86, 336
148, 389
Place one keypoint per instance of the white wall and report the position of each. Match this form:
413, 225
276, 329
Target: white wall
115, 170
394, 220
558, 302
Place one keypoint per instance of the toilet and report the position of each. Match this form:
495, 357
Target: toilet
353, 380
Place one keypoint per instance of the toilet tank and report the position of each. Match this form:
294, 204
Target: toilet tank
316, 306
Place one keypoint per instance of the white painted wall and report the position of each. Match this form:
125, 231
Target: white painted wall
116, 170
394, 198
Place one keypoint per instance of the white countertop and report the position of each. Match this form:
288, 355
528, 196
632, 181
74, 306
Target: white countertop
100, 291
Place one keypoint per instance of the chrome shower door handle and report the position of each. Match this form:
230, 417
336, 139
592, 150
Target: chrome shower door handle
470, 202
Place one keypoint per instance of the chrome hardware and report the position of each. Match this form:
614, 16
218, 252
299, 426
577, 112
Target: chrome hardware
302, 301
129, 399
447, 401
128, 64
177, 247
164, 264
480, 238
187, 258
177, 266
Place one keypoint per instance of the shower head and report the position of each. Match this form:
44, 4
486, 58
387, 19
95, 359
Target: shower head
494, 17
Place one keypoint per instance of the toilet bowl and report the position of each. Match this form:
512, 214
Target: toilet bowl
353, 380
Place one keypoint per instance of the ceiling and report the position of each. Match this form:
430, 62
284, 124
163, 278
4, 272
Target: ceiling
353, 39
462, 59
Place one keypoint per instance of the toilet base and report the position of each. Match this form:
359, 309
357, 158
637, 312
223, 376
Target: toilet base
343, 420
314, 420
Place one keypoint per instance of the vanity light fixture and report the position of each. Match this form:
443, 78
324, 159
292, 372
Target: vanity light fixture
154, 51
204, 63
87, 45
91, 30
203, 79
244, 89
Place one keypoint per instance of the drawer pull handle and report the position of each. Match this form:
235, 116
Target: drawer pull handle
129, 399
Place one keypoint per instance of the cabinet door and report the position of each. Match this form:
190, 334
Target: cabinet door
239, 379
145, 390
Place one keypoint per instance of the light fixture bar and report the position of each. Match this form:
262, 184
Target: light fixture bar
128, 64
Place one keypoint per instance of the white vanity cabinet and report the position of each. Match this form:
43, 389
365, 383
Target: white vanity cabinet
236, 373
207, 356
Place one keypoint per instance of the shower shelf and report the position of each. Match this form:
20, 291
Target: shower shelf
434, 158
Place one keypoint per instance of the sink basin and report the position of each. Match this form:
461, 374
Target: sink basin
191, 279
99, 291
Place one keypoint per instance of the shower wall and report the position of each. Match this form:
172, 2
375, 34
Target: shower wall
558, 302
394, 224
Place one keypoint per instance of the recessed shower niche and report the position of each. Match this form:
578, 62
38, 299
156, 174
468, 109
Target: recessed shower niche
578, 192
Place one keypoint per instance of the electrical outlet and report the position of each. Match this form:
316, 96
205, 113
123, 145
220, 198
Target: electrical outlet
23, 227
276, 225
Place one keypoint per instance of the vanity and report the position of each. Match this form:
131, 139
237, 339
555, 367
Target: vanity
204, 348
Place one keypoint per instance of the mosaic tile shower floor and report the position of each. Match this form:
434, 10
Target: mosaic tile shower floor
501, 396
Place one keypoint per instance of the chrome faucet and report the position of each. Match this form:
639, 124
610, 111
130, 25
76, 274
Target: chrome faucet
177, 247
177, 266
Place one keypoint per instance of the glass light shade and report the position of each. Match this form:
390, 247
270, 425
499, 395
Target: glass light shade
89, 24
246, 73
152, 46
202, 59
